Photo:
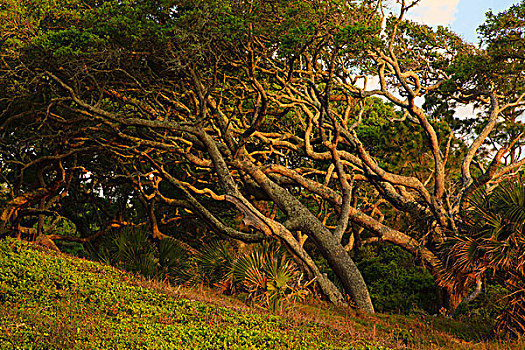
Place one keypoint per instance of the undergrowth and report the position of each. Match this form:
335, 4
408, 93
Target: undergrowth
54, 301
50, 300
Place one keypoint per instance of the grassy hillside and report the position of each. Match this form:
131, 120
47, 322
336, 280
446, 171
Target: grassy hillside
54, 301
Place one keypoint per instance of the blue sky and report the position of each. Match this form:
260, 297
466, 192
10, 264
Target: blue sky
471, 13
463, 16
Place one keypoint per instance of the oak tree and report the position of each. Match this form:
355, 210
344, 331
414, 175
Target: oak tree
271, 109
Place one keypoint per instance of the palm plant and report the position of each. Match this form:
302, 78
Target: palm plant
214, 263
128, 248
132, 249
492, 241
263, 271
266, 274
175, 262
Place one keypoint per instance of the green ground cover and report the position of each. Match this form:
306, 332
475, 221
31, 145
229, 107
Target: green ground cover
55, 301
50, 300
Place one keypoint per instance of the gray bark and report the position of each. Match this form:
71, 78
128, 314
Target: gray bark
300, 218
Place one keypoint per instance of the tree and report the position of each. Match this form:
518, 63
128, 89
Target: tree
491, 244
205, 106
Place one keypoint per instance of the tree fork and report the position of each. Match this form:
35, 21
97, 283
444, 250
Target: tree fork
337, 257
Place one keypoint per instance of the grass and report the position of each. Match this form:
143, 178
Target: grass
50, 300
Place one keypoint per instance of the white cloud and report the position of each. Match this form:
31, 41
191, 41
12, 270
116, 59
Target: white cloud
434, 12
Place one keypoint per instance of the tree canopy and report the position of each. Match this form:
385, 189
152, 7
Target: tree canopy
327, 122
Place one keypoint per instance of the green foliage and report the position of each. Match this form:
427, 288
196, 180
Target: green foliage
175, 262
53, 301
401, 146
503, 33
500, 62
73, 248
494, 231
71, 29
264, 272
396, 282
70, 42
129, 249
215, 262
132, 249
492, 243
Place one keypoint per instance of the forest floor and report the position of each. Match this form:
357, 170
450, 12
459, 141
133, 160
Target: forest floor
50, 300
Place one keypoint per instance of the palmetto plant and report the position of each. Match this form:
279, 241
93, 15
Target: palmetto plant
493, 241
214, 263
263, 271
174, 261
131, 248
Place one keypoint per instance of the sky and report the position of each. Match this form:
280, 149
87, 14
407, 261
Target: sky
462, 16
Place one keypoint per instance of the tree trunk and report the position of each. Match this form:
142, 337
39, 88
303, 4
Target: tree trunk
475, 293
330, 247
328, 288
333, 251
300, 218
273, 228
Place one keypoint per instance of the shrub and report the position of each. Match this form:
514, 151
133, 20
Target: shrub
263, 271
396, 283
484, 310
132, 249
491, 242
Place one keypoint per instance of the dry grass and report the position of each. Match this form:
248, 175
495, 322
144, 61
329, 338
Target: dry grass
392, 331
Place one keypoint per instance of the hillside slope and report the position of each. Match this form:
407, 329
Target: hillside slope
50, 300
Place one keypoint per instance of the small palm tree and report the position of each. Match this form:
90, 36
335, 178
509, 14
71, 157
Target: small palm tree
265, 273
492, 240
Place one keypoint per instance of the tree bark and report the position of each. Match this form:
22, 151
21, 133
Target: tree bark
300, 218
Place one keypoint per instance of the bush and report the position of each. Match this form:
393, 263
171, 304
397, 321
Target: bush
263, 271
396, 283
132, 249
484, 310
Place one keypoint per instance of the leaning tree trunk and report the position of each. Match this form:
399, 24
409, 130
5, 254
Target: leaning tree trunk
330, 247
300, 218
277, 230
333, 251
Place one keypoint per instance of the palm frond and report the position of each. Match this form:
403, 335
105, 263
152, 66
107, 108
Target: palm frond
215, 261
492, 239
175, 261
